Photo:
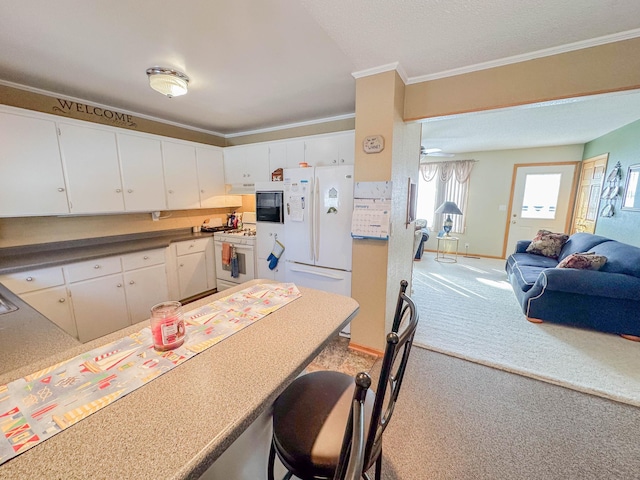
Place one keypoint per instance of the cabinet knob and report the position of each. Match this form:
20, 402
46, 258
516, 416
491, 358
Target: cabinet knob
182, 265
62, 300
96, 266
335, 161
61, 189
170, 191
29, 279
131, 282
201, 191
119, 285
342, 160
118, 190
146, 257
130, 191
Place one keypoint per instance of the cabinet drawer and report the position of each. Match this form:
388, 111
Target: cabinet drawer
92, 269
24, 282
192, 246
132, 261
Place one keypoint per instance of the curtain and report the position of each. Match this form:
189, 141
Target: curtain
452, 184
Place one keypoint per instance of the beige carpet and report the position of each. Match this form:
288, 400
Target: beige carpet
468, 310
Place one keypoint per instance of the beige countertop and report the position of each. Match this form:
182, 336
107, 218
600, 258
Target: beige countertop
176, 426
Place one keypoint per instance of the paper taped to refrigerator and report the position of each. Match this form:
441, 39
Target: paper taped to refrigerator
296, 208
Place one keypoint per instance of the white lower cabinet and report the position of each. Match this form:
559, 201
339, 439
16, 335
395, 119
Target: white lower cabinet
195, 267
54, 304
100, 306
145, 288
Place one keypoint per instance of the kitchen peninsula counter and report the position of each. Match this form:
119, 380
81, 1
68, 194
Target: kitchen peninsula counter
31, 257
177, 425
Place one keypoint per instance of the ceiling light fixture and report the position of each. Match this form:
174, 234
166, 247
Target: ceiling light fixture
167, 81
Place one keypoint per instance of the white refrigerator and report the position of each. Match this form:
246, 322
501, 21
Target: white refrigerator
318, 208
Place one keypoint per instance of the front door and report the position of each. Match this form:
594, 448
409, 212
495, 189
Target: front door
540, 199
588, 196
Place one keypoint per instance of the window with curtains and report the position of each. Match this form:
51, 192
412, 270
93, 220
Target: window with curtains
444, 182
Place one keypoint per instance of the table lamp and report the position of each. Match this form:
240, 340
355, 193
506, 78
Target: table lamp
448, 208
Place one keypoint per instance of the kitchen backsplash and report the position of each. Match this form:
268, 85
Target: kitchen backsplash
35, 230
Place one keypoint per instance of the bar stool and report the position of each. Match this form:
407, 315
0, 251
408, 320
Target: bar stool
311, 416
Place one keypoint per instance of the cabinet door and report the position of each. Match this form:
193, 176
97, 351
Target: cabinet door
210, 177
180, 176
145, 288
257, 163
295, 153
346, 148
321, 151
90, 158
234, 164
142, 176
277, 157
32, 182
54, 304
99, 306
192, 274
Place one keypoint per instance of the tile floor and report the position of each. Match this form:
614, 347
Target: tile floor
337, 356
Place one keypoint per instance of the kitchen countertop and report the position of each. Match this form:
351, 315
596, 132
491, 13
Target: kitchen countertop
16, 259
176, 426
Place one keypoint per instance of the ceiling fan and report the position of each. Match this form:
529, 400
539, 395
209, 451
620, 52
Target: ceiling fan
433, 152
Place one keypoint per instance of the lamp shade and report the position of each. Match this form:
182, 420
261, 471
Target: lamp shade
450, 208
168, 82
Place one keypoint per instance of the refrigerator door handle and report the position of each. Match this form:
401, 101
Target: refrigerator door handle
311, 225
316, 219
319, 274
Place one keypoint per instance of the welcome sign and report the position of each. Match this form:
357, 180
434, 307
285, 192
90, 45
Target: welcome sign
68, 107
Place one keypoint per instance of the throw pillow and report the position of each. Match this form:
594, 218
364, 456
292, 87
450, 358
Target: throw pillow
583, 261
547, 243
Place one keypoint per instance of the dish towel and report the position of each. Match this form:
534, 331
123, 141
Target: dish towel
226, 253
235, 270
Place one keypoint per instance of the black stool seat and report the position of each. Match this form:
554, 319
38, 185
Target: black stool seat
309, 421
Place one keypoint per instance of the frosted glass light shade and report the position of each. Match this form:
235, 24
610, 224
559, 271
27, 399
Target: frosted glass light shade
168, 82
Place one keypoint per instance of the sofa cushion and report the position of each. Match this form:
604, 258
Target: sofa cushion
532, 260
580, 242
547, 243
583, 261
621, 258
524, 276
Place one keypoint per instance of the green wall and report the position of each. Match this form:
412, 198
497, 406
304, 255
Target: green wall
623, 145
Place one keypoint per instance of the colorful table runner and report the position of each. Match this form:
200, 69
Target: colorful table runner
38, 406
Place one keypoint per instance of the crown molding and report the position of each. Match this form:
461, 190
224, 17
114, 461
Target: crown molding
382, 69
292, 125
570, 47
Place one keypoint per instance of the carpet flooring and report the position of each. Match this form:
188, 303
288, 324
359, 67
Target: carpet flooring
468, 310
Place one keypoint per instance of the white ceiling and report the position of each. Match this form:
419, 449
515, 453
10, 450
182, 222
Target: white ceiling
259, 64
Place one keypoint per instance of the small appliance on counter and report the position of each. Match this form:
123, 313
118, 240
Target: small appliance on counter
214, 225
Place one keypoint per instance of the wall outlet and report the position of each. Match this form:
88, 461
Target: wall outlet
466, 246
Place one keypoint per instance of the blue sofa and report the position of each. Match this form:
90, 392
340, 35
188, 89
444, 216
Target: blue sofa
607, 300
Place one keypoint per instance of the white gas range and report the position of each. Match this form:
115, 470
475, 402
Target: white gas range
240, 245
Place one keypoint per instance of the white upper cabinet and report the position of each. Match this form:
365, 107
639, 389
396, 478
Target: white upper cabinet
180, 176
32, 180
247, 164
210, 163
90, 158
142, 177
285, 155
326, 150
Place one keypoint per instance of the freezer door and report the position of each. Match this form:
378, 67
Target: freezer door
333, 205
325, 279
298, 208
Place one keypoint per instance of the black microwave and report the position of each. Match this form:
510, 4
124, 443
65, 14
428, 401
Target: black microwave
269, 206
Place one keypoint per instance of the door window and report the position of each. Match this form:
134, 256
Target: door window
541, 195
